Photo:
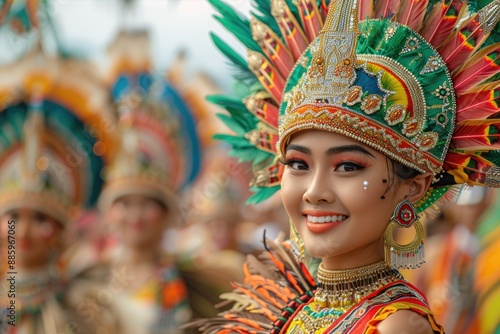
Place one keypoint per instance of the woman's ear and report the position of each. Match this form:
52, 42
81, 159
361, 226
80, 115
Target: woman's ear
418, 186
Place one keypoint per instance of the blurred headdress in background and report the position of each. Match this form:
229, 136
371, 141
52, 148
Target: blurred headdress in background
56, 135
159, 152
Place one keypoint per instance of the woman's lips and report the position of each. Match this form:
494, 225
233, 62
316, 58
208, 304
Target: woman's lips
23, 243
322, 221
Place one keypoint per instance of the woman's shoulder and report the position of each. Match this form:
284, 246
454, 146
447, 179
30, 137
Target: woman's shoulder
400, 306
407, 320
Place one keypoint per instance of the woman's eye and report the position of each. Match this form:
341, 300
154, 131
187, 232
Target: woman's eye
348, 167
40, 217
296, 164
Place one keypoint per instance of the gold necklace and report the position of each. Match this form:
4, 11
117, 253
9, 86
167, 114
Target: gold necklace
338, 291
346, 287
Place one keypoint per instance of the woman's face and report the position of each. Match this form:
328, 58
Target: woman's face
34, 235
141, 220
323, 192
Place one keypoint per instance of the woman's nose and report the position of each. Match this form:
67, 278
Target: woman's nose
319, 190
22, 227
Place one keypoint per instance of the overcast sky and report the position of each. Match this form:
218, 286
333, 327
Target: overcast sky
85, 27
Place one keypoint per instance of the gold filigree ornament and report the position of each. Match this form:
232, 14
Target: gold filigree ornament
371, 103
395, 114
354, 95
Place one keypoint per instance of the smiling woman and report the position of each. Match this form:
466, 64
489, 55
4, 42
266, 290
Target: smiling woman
364, 114
324, 194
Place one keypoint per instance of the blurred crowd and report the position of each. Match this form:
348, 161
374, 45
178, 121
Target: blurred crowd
121, 214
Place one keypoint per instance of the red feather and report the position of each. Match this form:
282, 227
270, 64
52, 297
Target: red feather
269, 176
273, 47
264, 140
386, 8
463, 42
324, 9
291, 31
478, 105
268, 75
266, 112
467, 168
477, 135
412, 13
479, 68
365, 10
310, 17
307, 275
5, 9
291, 278
441, 21
32, 9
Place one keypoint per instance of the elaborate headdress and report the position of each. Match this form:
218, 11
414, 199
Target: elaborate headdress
416, 80
159, 152
56, 134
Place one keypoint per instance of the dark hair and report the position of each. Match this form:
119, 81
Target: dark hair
403, 172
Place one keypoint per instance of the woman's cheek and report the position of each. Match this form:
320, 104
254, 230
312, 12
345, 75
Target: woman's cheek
153, 215
115, 214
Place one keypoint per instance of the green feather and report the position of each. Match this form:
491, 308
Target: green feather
435, 195
237, 110
237, 142
494, 37
493, 156
250, 154
236, 61
232, 124
241, 155
261, 156
246, 119
261, 194
295, 11
264, 15
227, 101
236, 23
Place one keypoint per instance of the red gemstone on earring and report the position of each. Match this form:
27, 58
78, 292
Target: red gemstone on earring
404, 214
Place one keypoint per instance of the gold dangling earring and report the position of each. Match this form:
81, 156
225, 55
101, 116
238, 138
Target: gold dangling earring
410, 255
298, 249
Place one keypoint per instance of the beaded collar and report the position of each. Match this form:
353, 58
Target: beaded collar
346, 287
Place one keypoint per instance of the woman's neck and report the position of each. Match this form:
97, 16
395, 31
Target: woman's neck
366, 255
346, 287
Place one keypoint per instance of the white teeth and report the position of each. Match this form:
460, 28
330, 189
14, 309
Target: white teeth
325, 219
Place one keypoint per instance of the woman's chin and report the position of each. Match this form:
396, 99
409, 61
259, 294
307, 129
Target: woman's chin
318, 252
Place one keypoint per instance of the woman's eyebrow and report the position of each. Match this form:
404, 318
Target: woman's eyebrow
332, 150
299, 148
348, 148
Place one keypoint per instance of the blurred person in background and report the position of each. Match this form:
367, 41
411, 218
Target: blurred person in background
487, 272
144, 196
55, 139
448, 276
